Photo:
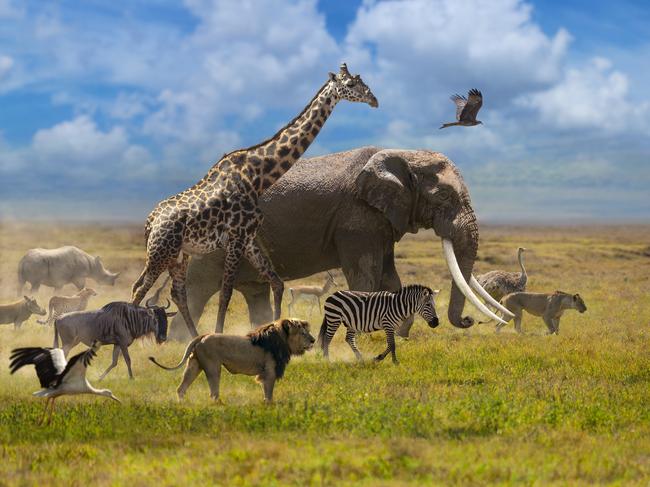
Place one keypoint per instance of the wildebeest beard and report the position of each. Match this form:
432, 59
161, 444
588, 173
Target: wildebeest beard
161, 318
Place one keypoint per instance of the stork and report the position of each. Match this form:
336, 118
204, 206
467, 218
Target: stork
58, 377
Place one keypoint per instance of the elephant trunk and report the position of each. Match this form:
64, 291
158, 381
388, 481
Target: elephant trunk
465, 246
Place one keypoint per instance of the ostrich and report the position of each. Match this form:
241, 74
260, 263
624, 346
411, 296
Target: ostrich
499, 283
57, 377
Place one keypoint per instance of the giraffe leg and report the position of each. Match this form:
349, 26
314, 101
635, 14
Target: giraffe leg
150, 274
178, 273
263, 265
234, 254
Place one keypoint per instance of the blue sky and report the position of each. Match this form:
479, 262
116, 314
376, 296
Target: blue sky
106, 107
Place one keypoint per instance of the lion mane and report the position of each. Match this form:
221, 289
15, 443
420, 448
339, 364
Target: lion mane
273, 338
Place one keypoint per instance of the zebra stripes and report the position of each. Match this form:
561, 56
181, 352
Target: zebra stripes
367, 312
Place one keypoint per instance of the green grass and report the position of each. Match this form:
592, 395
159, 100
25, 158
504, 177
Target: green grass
463, 407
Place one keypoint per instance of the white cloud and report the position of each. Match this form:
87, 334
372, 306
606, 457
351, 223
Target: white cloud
251, 57
82, 152
419, 51
593, 96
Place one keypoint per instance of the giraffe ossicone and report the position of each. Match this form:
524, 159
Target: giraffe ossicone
221, 210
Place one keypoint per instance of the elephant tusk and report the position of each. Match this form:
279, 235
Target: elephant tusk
457, 276
486, 296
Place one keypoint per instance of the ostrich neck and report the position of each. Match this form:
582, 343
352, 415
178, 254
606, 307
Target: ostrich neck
521, 264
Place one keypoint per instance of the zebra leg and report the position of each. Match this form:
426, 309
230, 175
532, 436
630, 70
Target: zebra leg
390, 342
351, 339
330, 330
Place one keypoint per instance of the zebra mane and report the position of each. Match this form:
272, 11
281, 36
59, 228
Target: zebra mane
414, 288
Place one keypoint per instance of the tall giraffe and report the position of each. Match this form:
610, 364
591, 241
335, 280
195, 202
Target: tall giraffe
221, 210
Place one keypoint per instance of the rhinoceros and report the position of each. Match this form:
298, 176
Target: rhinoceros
58, 267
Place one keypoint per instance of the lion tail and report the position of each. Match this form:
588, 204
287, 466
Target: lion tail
188, 352
321, 334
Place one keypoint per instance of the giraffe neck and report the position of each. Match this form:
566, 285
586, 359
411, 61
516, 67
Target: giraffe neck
281, 151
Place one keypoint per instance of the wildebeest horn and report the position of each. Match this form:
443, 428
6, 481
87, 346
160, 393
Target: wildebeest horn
149, 304
168, 304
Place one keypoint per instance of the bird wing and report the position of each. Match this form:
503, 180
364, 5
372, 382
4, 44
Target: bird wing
472, 106
76, 367
460, 102
49, 363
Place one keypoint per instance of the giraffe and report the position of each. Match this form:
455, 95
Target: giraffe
221, 210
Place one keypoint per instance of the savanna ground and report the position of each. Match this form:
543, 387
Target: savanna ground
463, 407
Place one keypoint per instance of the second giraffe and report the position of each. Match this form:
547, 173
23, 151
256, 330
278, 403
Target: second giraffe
221, 210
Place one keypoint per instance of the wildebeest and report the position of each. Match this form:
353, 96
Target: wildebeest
61, 266
118, 323
19, 311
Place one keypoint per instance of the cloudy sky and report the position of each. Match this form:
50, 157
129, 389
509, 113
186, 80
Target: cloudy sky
106, 107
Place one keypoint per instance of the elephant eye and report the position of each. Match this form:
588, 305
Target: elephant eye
443, 194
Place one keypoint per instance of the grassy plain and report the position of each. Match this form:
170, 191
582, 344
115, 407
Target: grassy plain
463, 407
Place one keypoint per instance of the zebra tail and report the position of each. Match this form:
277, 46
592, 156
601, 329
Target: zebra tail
321, 334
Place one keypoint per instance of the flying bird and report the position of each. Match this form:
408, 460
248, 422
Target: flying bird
466, 109
58, 377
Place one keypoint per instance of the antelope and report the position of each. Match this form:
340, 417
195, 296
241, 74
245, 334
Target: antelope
312, 291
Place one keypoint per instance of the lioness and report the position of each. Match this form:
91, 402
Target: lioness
549, 306
264, 352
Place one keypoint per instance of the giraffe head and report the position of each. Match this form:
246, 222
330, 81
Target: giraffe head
352, 88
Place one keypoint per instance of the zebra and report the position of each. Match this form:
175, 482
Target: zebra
366, 312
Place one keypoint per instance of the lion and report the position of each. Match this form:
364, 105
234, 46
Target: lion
264, 352
549, 306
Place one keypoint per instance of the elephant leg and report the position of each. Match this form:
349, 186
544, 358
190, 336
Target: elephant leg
201, 285
257, 298
362, 267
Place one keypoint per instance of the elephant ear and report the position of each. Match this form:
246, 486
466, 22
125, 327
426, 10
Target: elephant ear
387, 183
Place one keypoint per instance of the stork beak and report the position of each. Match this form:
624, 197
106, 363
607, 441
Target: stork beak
115, 398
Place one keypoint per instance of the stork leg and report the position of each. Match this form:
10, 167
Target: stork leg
47, 404
49, 421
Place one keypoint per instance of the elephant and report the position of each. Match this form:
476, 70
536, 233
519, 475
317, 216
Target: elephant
347, 210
